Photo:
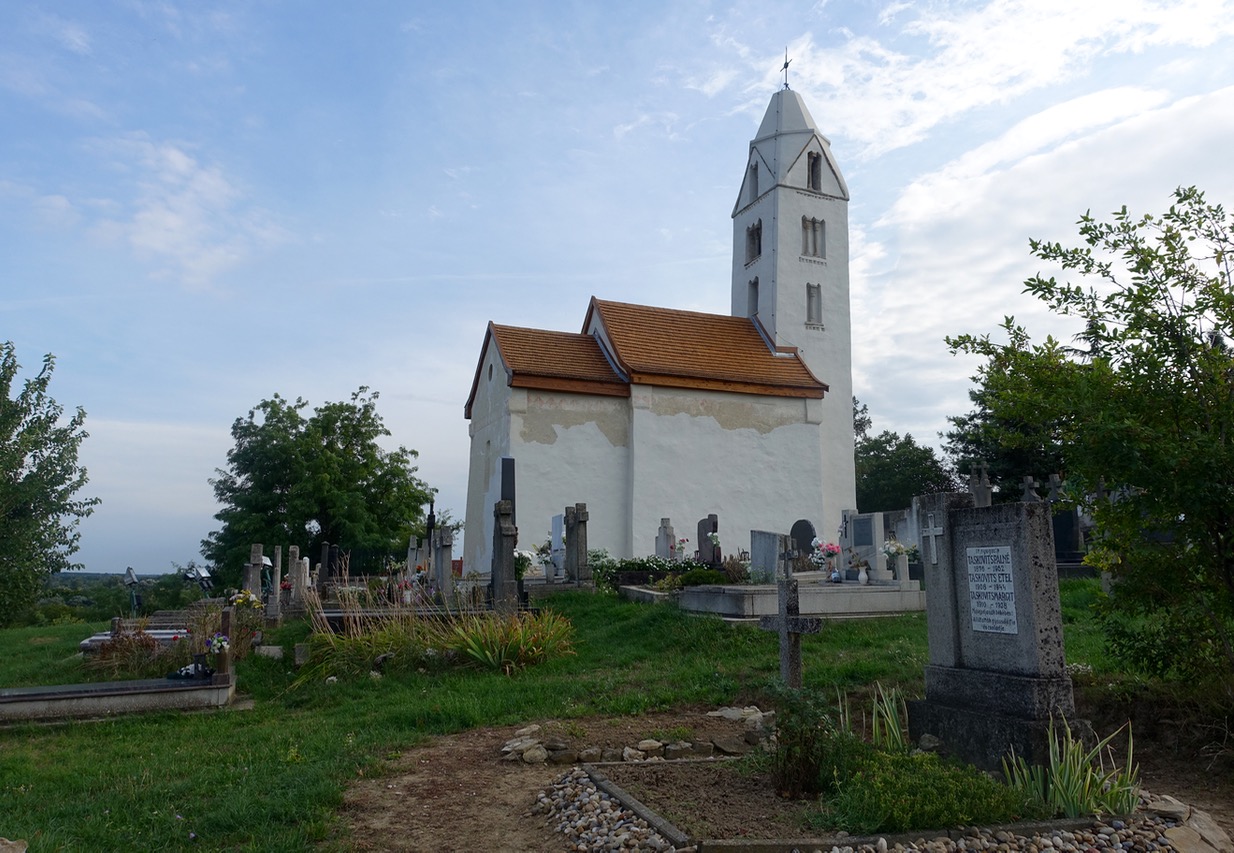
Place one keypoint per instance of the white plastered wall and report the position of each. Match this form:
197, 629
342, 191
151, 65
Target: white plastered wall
753, 461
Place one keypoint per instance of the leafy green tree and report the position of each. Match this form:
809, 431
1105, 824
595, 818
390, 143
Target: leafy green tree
305, 481
1016, 427
892, 470
1143, 413
39, 481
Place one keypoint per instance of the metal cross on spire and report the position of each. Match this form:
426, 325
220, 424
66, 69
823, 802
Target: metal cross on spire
785, 68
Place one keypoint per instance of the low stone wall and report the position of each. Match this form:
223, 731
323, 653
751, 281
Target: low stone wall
69, 701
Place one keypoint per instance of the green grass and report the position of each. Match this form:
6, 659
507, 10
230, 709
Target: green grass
272, 778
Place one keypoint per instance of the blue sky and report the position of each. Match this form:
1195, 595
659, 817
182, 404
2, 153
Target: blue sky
202, 205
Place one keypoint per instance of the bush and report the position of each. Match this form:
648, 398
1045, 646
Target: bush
901, 792
511, 642
703, 577
814, 747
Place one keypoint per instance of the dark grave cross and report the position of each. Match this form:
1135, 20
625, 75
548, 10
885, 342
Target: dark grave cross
1030, 490
790, 624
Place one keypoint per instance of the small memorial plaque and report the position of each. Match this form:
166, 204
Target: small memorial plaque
863, 532
991, 591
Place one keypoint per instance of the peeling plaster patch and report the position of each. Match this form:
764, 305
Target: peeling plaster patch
540, 423
729, 414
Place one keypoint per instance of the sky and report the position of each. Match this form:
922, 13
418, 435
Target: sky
206, 204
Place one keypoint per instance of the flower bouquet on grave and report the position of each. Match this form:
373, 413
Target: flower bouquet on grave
219, 643
823, 553
245, 599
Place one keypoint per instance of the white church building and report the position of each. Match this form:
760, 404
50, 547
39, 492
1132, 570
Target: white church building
648, 413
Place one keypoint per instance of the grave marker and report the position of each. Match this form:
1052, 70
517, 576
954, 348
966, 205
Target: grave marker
708, 552
666, 541
996, 672
503, 587
789, 624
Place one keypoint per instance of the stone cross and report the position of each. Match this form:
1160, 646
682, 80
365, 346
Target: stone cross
580, 544
789, 624
502, 584
274, 600
571, 524
252, 572
293, 574
979, 485
1056, 489
1030, 490
443, 556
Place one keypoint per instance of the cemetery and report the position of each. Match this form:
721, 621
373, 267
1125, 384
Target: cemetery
941, 676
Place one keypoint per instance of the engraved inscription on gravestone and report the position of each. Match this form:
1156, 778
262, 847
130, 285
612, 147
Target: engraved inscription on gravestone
991, 590
863, 532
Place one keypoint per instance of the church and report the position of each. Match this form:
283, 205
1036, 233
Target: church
650, 413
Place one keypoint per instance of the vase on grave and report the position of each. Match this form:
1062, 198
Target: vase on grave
407, 596
863, 576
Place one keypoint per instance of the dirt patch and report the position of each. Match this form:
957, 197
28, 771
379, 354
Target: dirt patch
454, 793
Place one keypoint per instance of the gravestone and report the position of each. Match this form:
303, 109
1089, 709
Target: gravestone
863, 543
571, 555
666, 540
580, 544
979, 485
803, 535
1030, 490
293, 571
252, 571
507, 485
708, 553
996, 672
443, 555
557, 548
274, 599
503, 587
765, 549
1068, 538
789, 623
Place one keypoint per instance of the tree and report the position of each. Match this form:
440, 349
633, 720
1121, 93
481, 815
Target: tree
892, 470
307, 481
1015, 428
1143, 411
39, 481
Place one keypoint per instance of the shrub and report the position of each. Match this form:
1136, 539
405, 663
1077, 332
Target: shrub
814, 746
136, 654
900, 791
511, 642
702, 577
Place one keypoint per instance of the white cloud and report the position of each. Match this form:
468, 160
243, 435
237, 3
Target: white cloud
187, 218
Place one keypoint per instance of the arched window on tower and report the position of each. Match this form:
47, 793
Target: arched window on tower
814, 304
754, 241
813, 238
752, 297
814, 177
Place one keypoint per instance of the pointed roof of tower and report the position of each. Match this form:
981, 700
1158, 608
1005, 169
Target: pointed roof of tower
787, 130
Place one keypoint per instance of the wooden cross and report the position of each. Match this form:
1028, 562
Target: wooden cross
790, 625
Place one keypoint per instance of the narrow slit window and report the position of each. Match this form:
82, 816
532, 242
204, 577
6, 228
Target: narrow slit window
752, 297
814, 178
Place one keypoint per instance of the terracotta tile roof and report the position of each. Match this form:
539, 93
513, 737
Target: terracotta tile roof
561, 355
559, 361
663, 346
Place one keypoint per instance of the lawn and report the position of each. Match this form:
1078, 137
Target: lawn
271, 778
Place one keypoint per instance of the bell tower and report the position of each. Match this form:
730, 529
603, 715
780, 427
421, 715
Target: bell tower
790, 272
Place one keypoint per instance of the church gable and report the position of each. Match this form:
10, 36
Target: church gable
548, 361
